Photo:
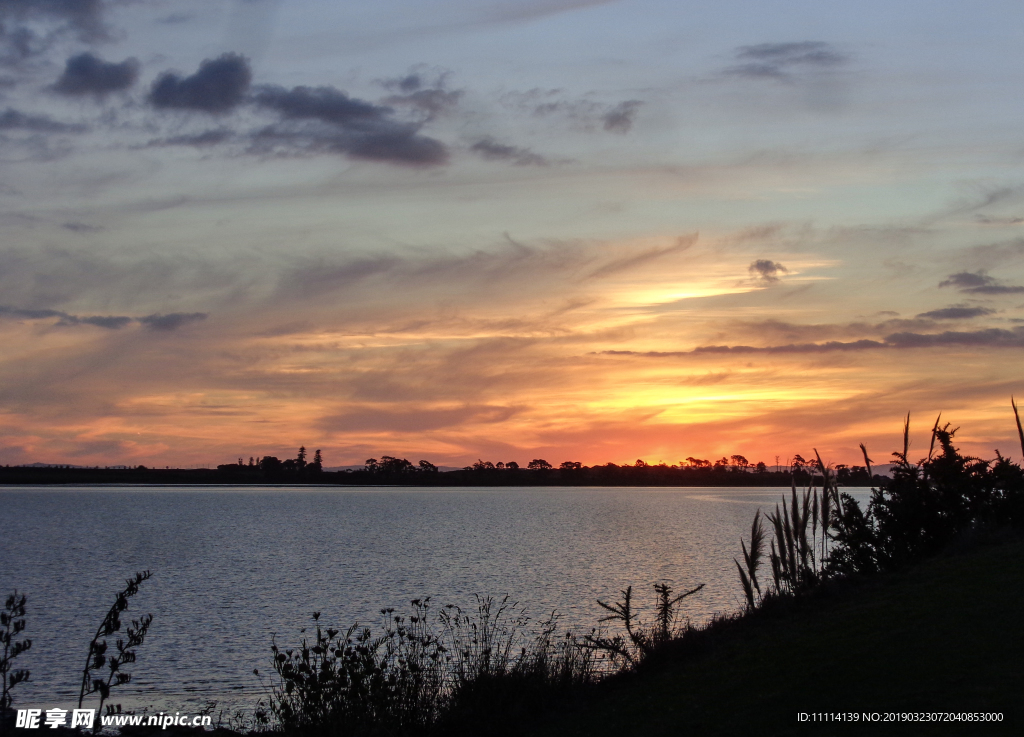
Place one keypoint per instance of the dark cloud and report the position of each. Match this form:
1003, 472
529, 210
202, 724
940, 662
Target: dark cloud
993, 337
171, 321
355, 127
12, 119
978, 283
88, 74
780, 60
399, 144
620, 118
29, 27
767, 271
408, 83
957, 312
206, 138
157, 321
111, 322
321, 103
990, 338
218, 86
490, 149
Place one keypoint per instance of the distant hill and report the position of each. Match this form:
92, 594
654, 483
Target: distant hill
50, 465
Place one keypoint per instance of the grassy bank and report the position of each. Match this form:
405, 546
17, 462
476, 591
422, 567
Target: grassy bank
943, 636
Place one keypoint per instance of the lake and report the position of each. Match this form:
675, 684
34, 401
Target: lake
232, 566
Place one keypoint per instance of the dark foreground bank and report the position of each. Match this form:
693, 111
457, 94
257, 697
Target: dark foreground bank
941, 637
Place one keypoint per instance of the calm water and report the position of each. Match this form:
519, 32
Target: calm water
233, 566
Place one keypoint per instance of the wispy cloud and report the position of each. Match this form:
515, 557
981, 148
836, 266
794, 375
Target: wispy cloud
957, 312
782, 60
168, 322
620, 118
979, 283
989, 338
490, 149
12, 119
682, 243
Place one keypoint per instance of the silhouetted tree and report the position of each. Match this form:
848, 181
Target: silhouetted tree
300, 460
318, 463
270, 464
513, 465
538, 464
389, 465
427, 467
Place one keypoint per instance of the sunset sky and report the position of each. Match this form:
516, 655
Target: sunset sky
507, 229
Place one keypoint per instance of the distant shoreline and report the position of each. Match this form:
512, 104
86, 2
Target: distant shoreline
626, 476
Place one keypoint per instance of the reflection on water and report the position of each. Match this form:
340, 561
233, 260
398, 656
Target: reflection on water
233, 566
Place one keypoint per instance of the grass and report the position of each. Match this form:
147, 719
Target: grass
944, 635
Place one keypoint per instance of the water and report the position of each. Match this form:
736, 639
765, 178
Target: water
233, 566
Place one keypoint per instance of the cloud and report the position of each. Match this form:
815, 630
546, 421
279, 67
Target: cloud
176, 18
989, 338
415, 92
780, 60
585, 114
218, 86
490, 149
358, 128
79, 227
206, 138
682, 243
88, 74
408, 83
12, 119
957, 312
766, 271
111, 322
978, 283
29, 27
430, 102
321, 103
620, 118
80, 13
379, 419
171, 321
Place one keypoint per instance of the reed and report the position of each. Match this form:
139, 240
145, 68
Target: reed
111, 666
12, 624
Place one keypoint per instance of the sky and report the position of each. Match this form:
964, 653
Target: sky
577, 230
